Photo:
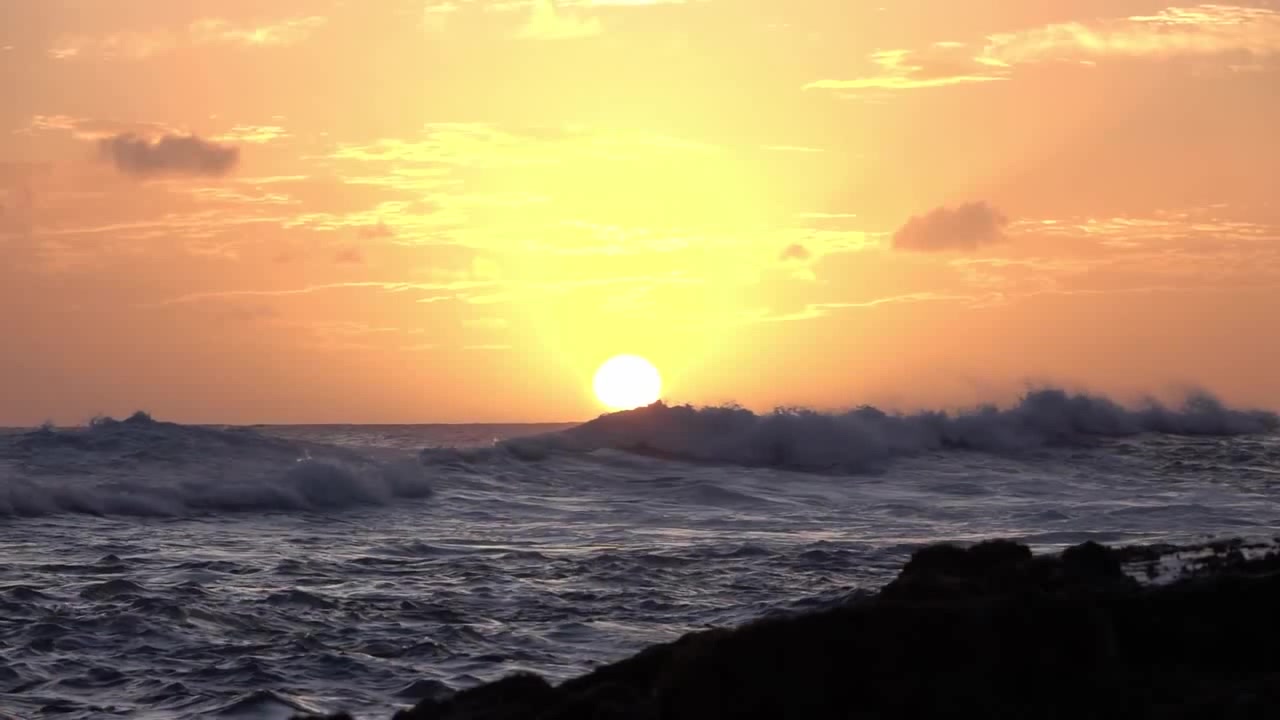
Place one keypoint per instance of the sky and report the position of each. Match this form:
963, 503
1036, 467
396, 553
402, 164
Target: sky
455, 210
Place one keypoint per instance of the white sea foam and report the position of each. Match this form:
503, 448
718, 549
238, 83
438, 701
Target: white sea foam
867, 437
140, 466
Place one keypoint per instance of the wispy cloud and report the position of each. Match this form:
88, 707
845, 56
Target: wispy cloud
463, 172
208, 32
1203, 225
252, 134
1201, 31
546, 22
90, 129
375, 231
942, 65
626, 3
543, 19
289, 31
384, 286
1196, 250
813, 311
400, 221
824, 241
827, 216
487, 146
486, 323
518, 292
93, 129
1198, 30
349, 256
795, 251
591, 238
793, 149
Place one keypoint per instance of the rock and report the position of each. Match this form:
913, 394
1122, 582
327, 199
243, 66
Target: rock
980, 560
1092, 562
514, 697
424, 689
987, 631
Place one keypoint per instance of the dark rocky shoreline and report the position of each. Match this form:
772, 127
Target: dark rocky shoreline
988, 631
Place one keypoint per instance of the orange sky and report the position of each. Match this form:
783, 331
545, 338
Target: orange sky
454, 210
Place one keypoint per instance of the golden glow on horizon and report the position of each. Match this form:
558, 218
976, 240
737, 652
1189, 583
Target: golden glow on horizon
626, 382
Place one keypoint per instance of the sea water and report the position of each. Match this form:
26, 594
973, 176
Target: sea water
157, 570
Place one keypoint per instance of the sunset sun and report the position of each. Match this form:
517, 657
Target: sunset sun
626, 382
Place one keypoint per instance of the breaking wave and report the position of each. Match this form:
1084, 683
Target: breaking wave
139, 466
866, 438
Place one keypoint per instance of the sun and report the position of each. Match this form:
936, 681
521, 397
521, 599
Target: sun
626, 382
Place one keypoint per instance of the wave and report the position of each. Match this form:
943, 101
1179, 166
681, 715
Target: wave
140, 466
866, 438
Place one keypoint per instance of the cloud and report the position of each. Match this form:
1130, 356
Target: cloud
1205, 225
254, 134
143, 44
170, 155
90, 129
376, 231
627, 3
965, 227
942, 65
793, 149
548, 23
795, 251
383, 286
546, 19
349, 256
820, 242
435, 13
486, 146
1201, 31
813, 311
827, 216
289, 31
486, 323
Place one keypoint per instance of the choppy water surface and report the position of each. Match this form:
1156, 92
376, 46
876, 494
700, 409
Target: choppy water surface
153, 570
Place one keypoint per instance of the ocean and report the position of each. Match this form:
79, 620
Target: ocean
157, 570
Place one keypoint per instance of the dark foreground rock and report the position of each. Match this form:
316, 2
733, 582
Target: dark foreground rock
988, 632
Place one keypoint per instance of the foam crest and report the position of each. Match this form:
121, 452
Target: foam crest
139, 466
867, 437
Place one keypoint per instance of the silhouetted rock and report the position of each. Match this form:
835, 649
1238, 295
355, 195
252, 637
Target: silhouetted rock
977, 561
1092, 561
425, 689
511, 698
988, 631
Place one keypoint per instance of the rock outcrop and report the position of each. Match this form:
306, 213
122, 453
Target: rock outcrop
988, 631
